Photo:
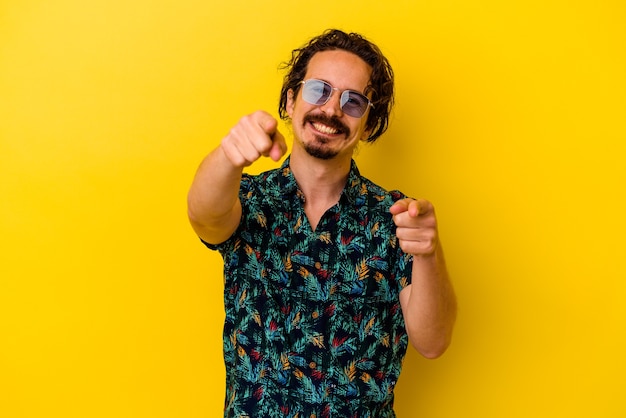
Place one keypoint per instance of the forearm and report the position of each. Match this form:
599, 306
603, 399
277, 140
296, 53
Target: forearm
429, 305
213, 199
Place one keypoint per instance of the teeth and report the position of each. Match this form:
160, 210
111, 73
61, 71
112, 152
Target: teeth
325, 129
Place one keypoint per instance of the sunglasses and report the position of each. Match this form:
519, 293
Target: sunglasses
318, 92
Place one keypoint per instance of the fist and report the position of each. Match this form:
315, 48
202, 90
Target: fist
253, 137
416, 226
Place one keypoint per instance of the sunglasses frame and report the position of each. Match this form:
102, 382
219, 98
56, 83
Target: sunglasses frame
343, 100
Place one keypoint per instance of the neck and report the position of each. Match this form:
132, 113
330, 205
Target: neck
320, 179
321, 182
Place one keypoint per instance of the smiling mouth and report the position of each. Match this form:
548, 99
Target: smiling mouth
325, 129
327, 126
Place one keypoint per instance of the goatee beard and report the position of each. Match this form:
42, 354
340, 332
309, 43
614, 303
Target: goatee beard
317, 149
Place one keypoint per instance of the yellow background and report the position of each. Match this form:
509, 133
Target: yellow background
510, 117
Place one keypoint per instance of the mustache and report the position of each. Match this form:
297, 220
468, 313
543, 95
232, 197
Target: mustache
331, 121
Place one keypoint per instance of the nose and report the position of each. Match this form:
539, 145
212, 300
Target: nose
333, 106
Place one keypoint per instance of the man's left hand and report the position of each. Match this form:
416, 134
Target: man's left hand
416, 226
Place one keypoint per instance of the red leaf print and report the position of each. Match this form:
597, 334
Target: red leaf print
330, 310
258, 393
339, 341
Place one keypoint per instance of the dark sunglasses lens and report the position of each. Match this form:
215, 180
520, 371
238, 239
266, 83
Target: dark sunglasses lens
353, 103
316, 92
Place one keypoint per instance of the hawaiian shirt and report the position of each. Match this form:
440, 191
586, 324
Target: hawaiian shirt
313, 326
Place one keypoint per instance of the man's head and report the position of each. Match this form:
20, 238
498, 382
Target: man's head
380, 87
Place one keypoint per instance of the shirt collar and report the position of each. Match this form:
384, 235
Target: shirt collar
289, 186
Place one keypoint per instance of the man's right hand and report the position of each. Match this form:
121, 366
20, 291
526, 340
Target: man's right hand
254, 136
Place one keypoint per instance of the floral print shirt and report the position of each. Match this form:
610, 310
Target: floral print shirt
313, 326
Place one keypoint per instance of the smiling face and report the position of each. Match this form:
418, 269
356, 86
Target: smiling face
325, 131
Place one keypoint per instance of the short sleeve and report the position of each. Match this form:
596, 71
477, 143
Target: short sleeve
246, 193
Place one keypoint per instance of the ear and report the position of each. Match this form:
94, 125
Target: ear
366, 134
291, 102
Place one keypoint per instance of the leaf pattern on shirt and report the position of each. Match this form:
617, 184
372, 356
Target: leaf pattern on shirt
313, 322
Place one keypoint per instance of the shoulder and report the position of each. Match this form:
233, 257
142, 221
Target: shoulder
378, 195
268, 182
366, 191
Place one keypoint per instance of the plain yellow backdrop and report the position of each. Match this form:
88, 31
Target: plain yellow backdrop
510, 117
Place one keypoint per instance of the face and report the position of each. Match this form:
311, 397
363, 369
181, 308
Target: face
326, 131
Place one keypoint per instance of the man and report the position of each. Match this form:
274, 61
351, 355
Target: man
328, 276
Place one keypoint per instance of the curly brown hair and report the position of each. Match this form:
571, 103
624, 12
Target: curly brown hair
381, 84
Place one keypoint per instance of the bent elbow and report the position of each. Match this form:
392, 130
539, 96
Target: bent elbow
432, 349
432, 354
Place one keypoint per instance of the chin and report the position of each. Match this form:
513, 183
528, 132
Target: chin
320, 152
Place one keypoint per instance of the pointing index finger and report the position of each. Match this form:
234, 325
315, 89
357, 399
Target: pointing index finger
279, 147
415, 207
399, 206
